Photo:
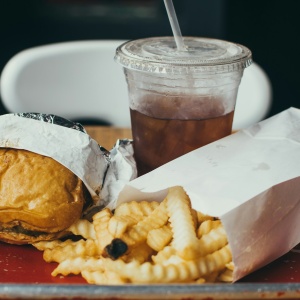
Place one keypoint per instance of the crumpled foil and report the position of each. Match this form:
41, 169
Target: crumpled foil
53, 119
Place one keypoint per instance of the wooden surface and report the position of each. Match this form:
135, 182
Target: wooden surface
106, 136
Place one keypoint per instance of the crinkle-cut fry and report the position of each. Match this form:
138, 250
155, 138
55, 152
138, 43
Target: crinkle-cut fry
100, 221
195, 218
206, 226
43, 245
183, 272
117, 225
173, 260
163, 255
136, 209
226, 276
138, 233
158, 238
140, 253
203, 217
212, 241
100, 277
200, 280
77, 265
71, 249
230, 266
185, 240
84, 228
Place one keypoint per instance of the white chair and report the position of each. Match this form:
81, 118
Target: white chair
254, 98
80, 80
75, 80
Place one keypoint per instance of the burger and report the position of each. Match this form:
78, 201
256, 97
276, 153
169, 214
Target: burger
39, 197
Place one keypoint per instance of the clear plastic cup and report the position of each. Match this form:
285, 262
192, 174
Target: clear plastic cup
180, 100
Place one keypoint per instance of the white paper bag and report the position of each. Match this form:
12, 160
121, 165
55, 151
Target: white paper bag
249, 179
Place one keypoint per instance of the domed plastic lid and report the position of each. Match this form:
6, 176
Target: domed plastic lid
160, 55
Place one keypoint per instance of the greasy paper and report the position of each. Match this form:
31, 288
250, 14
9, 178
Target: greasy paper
249, 179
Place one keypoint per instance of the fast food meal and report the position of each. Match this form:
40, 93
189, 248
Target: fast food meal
39, 197
165, 240
145, 242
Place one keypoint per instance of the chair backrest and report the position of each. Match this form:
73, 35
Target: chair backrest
76, 80
80, 80
254, 99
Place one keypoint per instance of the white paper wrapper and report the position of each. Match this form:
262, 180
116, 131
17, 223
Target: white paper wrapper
74, 149
249, 179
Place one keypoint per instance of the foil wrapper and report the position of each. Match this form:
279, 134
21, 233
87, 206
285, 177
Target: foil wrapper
52, 119
103, 172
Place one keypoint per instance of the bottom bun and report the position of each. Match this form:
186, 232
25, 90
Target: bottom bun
18, 238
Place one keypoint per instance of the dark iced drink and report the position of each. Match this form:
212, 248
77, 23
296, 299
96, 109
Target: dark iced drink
158, 141
180, 101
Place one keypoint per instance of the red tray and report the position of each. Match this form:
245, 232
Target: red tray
25, 264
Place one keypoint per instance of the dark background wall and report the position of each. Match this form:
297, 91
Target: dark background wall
269, 28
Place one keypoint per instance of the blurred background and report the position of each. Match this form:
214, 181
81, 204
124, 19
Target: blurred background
270, 28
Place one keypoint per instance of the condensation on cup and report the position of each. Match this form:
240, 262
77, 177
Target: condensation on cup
180, 100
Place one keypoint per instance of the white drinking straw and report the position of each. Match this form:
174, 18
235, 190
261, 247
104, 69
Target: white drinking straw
174, 25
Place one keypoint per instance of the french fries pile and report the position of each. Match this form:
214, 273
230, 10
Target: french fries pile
145, 242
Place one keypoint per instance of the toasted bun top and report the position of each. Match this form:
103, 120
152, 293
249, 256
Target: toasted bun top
37, 193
